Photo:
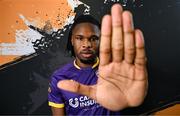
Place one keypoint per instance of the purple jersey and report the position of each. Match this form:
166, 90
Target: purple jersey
75, 104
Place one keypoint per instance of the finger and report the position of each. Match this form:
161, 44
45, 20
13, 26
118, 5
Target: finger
117, 36
105, 44
76, 87
140, 58
129, 41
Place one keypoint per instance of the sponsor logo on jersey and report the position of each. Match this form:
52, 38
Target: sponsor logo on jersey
82, 101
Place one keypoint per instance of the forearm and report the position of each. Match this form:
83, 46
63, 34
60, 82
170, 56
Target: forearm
57, 111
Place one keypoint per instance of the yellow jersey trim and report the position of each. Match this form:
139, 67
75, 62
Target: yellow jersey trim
76, 65
56, 105
96, 64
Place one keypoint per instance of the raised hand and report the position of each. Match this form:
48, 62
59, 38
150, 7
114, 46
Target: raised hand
122, 78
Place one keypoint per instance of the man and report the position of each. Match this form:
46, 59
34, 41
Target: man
119, 81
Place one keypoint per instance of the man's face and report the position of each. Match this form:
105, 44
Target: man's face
85, 40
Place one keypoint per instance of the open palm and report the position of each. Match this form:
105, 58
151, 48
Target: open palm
122, 75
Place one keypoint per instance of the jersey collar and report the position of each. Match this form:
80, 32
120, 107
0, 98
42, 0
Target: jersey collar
94, 65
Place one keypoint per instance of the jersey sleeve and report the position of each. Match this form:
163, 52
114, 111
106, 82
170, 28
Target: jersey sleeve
55, 98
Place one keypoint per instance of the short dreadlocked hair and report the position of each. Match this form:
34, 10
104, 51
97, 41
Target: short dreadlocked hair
80, 19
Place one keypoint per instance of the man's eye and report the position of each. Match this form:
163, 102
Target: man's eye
94, 38
79, 37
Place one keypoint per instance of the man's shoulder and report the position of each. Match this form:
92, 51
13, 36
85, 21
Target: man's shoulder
64, 69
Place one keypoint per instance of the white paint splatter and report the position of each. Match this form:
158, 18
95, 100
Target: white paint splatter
76, 3
69, 20
24, 39
106, 1
23, 44
87, 10
124, 2
25, 20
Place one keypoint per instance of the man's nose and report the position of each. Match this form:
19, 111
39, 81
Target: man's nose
86, 44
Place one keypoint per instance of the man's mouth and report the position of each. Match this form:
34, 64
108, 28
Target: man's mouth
87, 55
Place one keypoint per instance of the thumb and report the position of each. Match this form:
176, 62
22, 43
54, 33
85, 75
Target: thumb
75, 87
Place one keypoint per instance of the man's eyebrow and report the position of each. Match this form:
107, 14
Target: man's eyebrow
97, 36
